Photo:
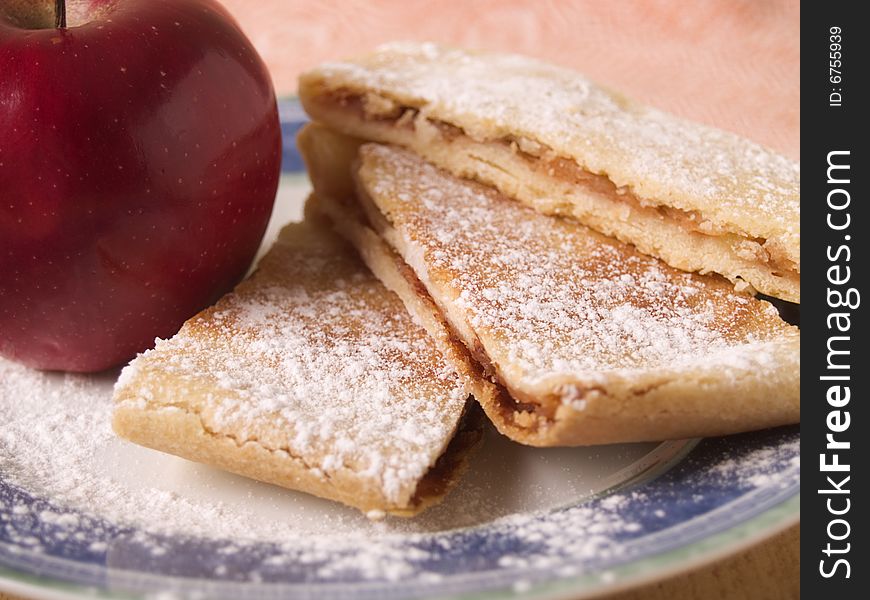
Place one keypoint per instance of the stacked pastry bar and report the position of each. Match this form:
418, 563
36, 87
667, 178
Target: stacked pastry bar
573, 337
698, 198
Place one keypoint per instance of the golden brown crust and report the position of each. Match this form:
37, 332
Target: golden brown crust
180, 431
510, 134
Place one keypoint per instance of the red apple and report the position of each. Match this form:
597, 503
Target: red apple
140, 153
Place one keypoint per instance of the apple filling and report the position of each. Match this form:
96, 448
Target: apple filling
436, 483
372, 107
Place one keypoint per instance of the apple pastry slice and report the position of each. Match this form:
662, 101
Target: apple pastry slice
310, 375
700, 199
580, 339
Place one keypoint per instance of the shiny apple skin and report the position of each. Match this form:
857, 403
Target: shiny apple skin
139, 161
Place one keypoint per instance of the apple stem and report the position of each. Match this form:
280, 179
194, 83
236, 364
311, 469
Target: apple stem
60, 13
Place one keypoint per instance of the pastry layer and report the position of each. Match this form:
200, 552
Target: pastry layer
310, 375
701, 199
593, 341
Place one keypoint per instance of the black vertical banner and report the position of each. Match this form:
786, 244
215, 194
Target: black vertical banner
835, 359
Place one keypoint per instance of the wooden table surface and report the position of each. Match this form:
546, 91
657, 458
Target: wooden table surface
734, 64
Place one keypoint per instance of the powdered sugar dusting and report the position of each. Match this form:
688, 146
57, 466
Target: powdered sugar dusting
753, 469
313, 357
548, 297
733, 182
56, 427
